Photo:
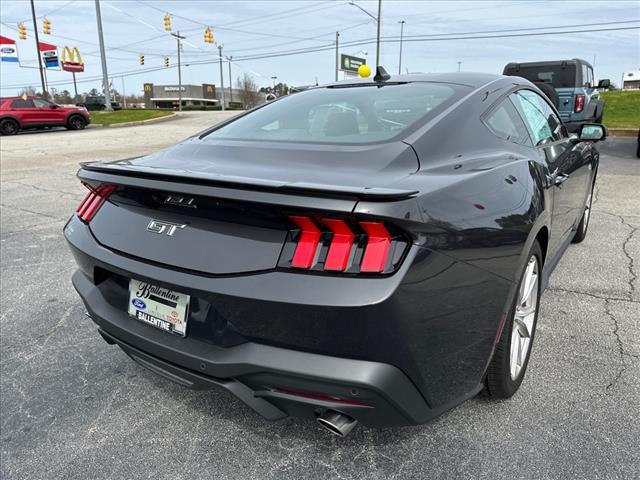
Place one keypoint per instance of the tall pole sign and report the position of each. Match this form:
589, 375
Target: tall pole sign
35, 30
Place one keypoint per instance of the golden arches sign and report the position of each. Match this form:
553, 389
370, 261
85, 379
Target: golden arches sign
72, 60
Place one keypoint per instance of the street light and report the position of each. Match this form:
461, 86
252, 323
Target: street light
274, 82
459, 63
401, 22
377, 19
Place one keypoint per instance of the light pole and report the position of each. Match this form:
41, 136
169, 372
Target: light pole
377, 19
221, 77
178, 38
103, 57
337, 59
459, 63
274, 84
401, 22
230, 82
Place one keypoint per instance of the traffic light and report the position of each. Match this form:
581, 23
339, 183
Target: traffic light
166, 61
167, 22
141, 58
208, 36
22, 31
46, 26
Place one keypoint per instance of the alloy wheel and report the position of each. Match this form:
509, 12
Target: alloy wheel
524, 318
8, 128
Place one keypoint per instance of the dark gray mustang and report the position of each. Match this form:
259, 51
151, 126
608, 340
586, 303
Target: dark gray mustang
370, 250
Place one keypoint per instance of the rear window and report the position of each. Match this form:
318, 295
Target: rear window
362, 114
554, 75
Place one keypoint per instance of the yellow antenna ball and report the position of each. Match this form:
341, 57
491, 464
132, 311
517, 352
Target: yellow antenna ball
364, 71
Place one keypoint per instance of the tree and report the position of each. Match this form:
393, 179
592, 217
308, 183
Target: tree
28, 91
63, 97
248, 91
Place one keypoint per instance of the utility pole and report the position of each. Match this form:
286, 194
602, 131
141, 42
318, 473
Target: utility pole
178, 38
230, 81
124, 94
103, 57
337, 56
221, 77
35, 29
401, 22
378, 34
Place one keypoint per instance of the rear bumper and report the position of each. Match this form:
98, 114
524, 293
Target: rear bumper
412, 344
382, 394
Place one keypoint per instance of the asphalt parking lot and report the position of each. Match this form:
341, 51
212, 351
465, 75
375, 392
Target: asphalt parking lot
73, 407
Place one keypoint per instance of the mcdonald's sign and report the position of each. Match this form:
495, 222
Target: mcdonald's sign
72, 60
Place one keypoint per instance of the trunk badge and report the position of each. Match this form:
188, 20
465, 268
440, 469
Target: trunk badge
160, 227
180, 201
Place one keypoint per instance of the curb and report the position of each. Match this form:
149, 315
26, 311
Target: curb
624, 132
138, 122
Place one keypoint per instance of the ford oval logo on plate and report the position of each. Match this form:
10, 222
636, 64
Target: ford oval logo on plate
138, 303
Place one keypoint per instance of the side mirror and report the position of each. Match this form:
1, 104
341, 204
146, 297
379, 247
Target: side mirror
54, 106
592, 132
604, 83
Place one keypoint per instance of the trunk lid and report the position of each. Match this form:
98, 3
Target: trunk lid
221, 209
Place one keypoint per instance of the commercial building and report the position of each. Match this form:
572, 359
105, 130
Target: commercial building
167, 96
631, 80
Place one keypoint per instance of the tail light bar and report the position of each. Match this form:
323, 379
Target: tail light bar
579, 104
342, 246
94, 200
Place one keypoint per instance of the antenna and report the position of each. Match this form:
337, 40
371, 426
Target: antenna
381, 75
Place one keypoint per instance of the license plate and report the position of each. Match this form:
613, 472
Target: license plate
158, 306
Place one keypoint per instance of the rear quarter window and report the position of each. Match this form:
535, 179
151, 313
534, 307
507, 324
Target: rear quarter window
20, 103
350, 114
504, 121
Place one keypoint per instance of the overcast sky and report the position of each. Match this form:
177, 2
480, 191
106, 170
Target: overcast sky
249, 28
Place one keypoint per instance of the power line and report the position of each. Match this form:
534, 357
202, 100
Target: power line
331, 46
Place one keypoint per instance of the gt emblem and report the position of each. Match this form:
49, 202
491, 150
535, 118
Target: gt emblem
160, 227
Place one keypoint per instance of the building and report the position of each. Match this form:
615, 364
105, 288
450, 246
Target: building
167, 96
631, 80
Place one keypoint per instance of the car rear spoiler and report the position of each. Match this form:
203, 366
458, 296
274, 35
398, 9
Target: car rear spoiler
241, 188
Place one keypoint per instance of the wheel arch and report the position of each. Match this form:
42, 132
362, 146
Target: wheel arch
11, 117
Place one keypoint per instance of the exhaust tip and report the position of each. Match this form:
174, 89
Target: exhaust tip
337, 423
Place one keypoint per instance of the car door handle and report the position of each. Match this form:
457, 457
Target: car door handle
557, 178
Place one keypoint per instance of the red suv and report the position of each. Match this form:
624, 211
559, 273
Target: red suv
19, 113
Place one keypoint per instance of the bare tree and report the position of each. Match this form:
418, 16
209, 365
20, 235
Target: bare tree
249, 95
28, 91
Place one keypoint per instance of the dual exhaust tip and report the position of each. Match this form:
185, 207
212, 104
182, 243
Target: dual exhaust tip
337, 423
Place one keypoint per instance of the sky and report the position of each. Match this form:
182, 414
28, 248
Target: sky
248, 29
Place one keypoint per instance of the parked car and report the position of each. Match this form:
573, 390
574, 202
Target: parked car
22, 113
578, 100
98, 102
371, 250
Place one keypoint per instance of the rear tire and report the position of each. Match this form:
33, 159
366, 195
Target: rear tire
9, 126
550, 92
583, 226
76, 122
511, 357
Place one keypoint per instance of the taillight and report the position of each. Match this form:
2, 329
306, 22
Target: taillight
94, 200
579, 104
338, 245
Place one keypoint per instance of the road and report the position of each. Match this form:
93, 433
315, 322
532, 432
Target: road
73, 407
